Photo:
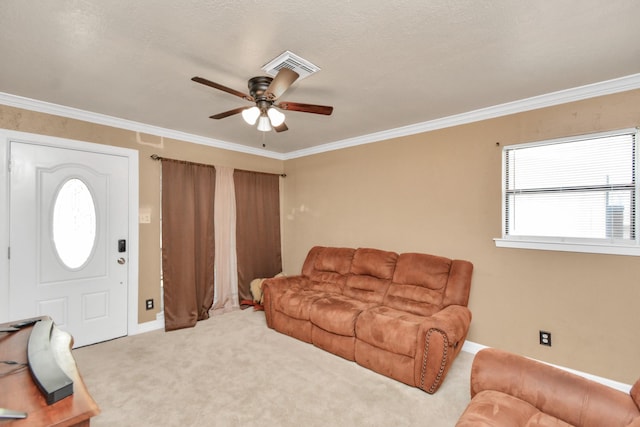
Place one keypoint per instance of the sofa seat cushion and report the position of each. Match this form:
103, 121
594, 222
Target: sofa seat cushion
494, 408
337, 313
389, 329
297, 303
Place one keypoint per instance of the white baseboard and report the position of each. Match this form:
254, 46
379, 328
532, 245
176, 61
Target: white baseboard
150, 326
473, 348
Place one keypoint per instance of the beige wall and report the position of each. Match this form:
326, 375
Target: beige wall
440, 193
437, 192
149, 274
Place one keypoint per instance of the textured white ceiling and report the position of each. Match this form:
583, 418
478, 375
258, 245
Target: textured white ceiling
384, 64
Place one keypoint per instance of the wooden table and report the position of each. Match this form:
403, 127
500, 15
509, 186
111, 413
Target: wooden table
19, 392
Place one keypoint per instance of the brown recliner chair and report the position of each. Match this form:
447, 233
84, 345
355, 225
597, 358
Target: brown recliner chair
511, 390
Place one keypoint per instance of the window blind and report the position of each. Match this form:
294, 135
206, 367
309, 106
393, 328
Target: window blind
579, 188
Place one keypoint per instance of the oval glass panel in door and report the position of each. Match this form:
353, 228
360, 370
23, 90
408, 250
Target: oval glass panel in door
74, 223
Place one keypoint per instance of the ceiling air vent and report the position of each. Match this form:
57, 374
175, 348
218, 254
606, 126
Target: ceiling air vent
292, 61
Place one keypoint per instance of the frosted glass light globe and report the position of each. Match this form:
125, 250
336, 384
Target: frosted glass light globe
250, 115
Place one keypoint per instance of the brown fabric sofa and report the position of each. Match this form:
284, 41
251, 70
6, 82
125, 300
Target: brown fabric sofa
511, 390
404, 316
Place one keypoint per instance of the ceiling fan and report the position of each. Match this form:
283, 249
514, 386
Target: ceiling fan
265, 92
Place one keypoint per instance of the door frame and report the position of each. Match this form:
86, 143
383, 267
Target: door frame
6, 136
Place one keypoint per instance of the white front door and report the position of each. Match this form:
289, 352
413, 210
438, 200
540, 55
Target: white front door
69, 239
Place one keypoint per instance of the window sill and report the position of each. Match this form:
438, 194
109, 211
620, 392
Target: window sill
593, 248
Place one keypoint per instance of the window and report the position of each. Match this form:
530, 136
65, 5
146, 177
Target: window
574, 194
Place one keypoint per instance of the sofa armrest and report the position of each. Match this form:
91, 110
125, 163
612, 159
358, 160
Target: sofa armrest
273, 288
280, 283
440, 339
566, 396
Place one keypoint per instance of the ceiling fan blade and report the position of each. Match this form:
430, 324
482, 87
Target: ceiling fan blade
281, 83
222, 88
280, 128
306, 108
229, 113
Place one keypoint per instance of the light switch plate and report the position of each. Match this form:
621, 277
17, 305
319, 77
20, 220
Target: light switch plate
144, 217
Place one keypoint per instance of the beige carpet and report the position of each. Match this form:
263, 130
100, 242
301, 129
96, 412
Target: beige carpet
231, 370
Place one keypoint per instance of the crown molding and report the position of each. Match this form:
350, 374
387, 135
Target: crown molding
103, 119
607, 87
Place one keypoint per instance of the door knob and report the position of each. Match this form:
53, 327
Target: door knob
121, 261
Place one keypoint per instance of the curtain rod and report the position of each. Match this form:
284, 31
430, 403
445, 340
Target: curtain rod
156, 157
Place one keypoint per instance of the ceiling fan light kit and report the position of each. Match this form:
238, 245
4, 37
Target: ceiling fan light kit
250, 115
276, 117
264, 92
272, 118
263, 124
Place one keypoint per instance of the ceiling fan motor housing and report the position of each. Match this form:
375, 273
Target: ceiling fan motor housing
258, 86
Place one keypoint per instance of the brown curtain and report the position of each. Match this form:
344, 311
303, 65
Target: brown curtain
188, 245
257, 228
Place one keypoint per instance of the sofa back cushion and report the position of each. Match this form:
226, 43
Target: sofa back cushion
371, 273
420, 282
329, 269
374, 262
310, 260
458, 283
334, 260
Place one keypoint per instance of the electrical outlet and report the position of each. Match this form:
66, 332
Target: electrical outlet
149, 303
545, 338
